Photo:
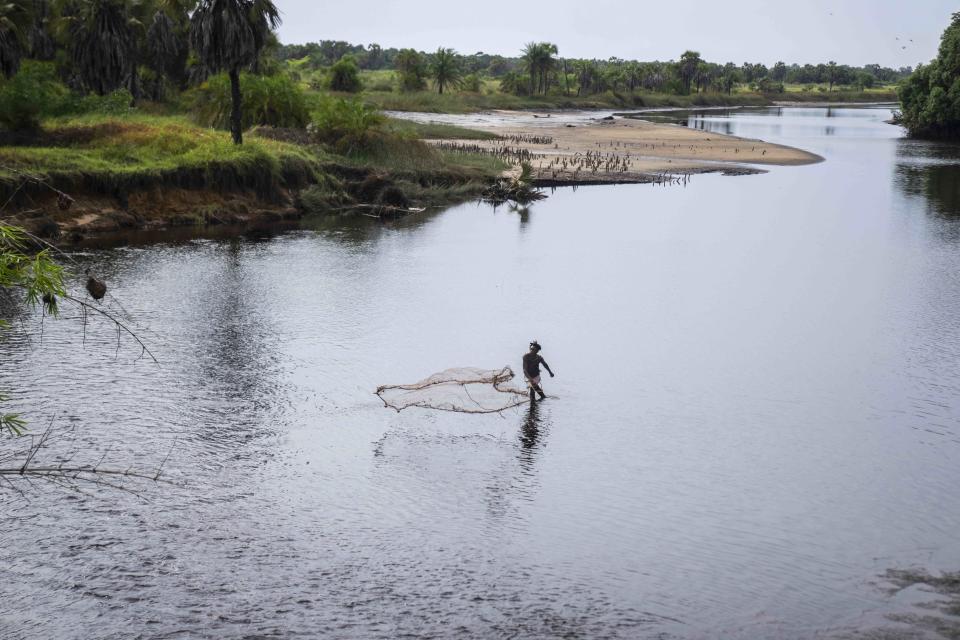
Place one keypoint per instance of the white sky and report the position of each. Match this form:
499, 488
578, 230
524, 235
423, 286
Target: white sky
852, 32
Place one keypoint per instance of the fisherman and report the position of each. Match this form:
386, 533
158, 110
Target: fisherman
531, 369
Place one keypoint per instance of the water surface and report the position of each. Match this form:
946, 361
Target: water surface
756, 414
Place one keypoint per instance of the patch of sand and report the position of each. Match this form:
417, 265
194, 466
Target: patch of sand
625, 150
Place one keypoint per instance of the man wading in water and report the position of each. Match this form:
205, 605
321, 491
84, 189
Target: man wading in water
531, 369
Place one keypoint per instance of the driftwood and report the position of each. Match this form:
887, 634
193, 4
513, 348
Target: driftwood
382, 211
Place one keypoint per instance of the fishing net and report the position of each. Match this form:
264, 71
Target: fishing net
465, 390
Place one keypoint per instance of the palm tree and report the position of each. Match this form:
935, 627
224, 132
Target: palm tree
539, 62
445, 69
164, 50
42, 46
101, 41
15, 21
531, 61
166, 47
228, 35
687, 68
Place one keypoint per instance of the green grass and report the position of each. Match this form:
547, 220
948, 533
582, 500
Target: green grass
436, 131
105, 153
110, 155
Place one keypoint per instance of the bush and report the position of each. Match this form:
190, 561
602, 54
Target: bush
345, 76
267, 100
112, 104
31, 95
349, 125
471, 83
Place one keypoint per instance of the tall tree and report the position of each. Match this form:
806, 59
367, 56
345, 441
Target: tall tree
166, 52
411, 67
228, 35
832, 73
445, 69
101, 40
15, 20
930, 98
42, 45
687, 68
538, 61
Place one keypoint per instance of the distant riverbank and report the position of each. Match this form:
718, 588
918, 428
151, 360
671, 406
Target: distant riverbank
432, 102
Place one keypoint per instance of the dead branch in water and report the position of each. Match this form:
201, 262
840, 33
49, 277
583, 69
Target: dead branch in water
66, 474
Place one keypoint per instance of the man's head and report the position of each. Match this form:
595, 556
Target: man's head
535, 347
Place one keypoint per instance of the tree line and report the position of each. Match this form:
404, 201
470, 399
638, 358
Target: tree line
539, 70
930, 98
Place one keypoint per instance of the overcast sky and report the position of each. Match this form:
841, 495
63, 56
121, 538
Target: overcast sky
852, 32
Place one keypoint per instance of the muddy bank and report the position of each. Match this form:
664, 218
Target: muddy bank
91, 214
341, 189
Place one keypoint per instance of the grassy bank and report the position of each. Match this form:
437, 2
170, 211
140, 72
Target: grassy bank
149, 171
107, 154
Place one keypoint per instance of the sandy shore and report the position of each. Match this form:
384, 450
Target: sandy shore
565, 150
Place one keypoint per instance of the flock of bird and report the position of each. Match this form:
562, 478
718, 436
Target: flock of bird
574, 167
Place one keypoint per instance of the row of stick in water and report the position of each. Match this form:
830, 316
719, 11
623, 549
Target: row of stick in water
663, 145
504, 152
518, 138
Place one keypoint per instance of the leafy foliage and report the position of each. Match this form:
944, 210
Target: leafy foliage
34, 93
538, 61
36, 274
345, 76
412, 69
102, 42
445, 69
349, 125
229, 34
275, 101
15, 19
931, 96
166, 52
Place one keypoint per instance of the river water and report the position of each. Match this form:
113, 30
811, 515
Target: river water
755, 414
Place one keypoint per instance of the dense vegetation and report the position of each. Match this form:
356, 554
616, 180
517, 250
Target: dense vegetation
112, 96
931, 96
539, 71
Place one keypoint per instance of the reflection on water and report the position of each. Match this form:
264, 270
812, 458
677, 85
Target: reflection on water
931, 173
757, 415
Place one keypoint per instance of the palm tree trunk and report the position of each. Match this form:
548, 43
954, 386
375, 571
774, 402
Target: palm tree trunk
236, 106
134, 86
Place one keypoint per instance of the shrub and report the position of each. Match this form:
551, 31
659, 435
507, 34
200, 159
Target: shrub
345, 76
267, 100
112, 104
349, 125
411, 70
515, 83
471, 83
31, 95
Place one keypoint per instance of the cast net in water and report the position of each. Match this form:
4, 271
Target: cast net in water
465, 390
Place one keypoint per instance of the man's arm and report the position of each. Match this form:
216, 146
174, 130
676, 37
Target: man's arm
546, 366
